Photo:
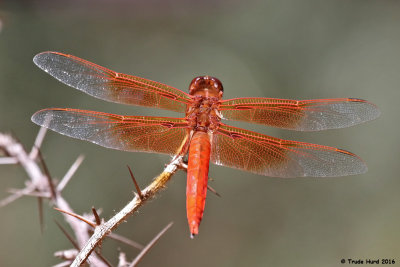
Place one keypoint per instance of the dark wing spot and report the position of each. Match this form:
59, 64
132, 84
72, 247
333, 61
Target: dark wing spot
235, 135
241, 107
168, 124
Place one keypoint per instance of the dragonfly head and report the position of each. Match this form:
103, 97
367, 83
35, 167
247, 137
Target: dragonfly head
206, 86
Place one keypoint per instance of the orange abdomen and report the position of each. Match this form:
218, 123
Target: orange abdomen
197, 177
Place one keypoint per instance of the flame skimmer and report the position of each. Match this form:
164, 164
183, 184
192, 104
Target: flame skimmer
200, 134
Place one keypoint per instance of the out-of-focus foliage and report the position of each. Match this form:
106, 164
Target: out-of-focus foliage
287, 49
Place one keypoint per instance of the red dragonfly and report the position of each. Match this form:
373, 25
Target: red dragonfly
201, 134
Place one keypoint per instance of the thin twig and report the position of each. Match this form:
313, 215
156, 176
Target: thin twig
125, 240
11, 198
67, 177
150, 245
8, 160
30, 193
38, 143
17, 194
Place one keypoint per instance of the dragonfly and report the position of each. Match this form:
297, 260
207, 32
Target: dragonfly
200, 135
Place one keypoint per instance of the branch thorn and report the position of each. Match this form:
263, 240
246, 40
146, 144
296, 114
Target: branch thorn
49, 179
77, 216
40, 207
73, 242
136, 184
96, 216
213, 190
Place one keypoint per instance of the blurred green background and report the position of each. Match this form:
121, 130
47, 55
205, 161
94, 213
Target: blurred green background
286, 49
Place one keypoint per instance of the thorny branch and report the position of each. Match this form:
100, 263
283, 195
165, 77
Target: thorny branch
41, 185
104, 229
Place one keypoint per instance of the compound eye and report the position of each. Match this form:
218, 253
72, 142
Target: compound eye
217, 84
205, 82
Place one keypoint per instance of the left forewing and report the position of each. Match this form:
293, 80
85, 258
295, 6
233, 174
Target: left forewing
128, 133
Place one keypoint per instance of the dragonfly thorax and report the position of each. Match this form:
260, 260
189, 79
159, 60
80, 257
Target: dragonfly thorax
203, 114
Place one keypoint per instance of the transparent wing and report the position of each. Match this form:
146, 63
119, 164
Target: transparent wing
109, 85
304, 115
261, 154
129, 133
